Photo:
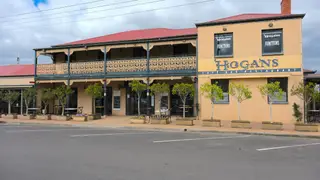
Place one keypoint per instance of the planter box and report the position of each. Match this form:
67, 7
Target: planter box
26, 117
159, 121
60, 118
241, 124
266, 125
211, 123
184, 122
137, 121
94, 117
10, 116
306, 127
80, 118
43, 117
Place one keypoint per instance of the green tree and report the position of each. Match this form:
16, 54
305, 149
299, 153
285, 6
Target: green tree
183, 90
138, 88
307, 93
272, 91
296, 112
241, 92
212, 92
11, 97
95, 91
47, 95
61, 93
160, 89
28, 95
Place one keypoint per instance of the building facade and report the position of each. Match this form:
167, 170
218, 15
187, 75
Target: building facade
252, 49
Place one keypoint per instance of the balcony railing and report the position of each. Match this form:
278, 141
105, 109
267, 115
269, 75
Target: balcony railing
119, 66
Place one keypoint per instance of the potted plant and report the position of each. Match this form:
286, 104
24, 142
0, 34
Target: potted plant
184, 90
307, 93
61, 93
80, 117
241, 93
160, 89
272, 91
214, 93
95, 91
10, 97
28, 95
138, 88
46, 96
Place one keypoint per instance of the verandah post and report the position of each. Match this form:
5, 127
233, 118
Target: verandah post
148, 81
105, 82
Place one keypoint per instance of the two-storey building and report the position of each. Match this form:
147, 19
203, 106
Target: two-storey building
252, 49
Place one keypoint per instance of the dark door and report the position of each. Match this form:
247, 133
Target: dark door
177, 106
99, 103
132, 103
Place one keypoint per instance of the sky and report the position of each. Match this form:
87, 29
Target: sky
29, 24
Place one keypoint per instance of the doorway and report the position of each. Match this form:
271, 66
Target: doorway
99, 103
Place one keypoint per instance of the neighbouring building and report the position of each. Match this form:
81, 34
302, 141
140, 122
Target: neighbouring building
252, 49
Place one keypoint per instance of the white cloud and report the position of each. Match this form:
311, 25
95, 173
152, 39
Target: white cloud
47, 28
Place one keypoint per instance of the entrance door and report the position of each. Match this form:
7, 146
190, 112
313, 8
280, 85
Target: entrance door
132, 103
177, 106
99, 103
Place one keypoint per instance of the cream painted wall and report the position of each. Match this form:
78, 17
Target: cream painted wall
16, 81
255, 109
248, 43
84, 100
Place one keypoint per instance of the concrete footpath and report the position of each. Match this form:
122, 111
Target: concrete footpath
124, 122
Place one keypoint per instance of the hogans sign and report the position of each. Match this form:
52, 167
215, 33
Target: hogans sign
246, 64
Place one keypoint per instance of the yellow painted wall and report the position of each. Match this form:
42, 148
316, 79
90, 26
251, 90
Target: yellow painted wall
16, 81
247, 43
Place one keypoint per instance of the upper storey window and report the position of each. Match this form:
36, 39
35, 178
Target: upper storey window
272, 42
223, 45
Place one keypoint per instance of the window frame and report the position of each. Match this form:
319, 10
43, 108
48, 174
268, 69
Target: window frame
263, 42
215, 45
224, 93
286, 101
115, 92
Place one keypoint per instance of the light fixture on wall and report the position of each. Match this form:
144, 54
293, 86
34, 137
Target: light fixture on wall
271, 25
224, 29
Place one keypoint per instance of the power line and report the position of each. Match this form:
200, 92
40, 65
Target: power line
131, 13
102, 10
51, 9
66, 12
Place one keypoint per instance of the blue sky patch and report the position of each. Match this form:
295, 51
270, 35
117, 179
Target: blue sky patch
37, 2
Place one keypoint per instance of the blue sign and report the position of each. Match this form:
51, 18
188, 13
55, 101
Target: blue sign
246, 64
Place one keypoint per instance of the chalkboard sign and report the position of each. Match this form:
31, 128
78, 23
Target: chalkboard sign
272, 41
223, 44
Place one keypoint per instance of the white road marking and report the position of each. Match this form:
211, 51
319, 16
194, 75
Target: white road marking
42, 130
196, 139
111, 134
285, 147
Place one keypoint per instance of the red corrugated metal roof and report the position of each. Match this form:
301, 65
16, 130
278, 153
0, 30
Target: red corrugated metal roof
138, 35
17, 70
251, 16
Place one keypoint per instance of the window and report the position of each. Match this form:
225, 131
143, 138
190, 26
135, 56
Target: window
272, 42
223, 45
284, 86
116, 100
224, 84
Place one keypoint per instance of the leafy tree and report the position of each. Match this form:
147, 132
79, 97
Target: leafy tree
296, 112
212, 92
46, 96
306, 93
183, 90
160, 89
61, 93
11, 97
28, 95
272, 91
241, 93
2, 93
138, 88
95, 91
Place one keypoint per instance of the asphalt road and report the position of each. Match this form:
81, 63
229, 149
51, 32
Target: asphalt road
33, 152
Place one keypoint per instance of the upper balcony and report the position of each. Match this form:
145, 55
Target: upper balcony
165, 60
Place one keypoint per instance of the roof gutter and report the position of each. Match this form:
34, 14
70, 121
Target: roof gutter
291, 16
